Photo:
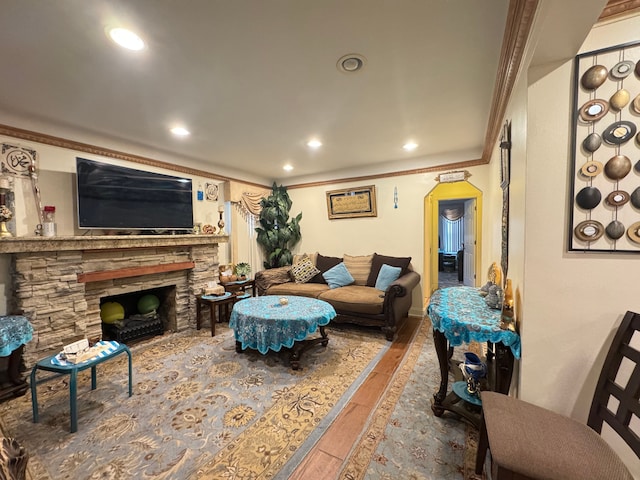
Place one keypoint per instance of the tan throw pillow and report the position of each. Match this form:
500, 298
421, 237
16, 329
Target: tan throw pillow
359, 267
304, 270
299, 256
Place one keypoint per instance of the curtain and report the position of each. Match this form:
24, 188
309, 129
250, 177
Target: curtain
248, 249
451, 234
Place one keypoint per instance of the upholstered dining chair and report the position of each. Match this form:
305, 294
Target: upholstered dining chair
530, 442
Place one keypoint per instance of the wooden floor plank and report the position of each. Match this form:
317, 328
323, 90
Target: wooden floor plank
326, 458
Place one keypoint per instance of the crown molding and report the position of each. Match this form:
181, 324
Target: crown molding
45, 139
616, 8
518, 26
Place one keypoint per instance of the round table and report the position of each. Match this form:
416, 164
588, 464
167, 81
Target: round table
264, 323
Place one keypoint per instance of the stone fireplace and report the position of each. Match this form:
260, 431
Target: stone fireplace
58, 283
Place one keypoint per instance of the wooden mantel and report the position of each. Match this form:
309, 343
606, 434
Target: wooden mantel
104, 242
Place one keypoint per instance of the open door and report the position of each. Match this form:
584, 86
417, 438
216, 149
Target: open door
451, 191
469, 254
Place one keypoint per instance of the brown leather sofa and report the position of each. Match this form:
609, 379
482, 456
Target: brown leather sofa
358, 303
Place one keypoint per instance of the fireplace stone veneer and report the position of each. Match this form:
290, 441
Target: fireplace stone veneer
58, 282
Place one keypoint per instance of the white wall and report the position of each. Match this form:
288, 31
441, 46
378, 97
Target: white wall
394, 231
574, 300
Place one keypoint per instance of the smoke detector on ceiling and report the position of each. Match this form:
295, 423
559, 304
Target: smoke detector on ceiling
351, 63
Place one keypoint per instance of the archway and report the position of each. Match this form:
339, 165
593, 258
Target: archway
442, 192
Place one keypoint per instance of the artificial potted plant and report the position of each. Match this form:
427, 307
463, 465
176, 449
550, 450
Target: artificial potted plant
243, 269
277, 233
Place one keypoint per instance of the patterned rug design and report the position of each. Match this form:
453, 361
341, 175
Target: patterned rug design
199, 409
404, 439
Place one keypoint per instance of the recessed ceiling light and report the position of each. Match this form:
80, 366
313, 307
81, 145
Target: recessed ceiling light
410, 146
288, 167
350, 63
314, 143
126, 38
180, 131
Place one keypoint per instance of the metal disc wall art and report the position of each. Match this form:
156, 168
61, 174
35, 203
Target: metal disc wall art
622, 70
592, 142
594, 110
617, 167
605, 176
619, 132
617, 198
589, 230
615, 230
588, 198
591, 168
594, 77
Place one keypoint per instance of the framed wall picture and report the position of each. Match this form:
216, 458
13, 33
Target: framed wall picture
352, 202
605, 174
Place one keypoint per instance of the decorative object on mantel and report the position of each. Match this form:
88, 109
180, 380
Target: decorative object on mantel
21, 161
221, 221
5, 212
208, 229
606, 95
451, 177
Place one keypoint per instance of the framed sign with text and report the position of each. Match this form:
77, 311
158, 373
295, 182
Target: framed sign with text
352, 202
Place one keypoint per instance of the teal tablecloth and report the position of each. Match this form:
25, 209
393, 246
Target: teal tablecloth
263, 324
15, 330
462, 315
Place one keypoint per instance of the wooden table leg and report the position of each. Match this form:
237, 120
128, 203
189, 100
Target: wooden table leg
212, 315
440, 343
299, 347
198, 312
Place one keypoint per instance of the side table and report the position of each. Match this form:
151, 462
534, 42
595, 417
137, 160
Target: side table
240, 286
460, 315
15, 332
53, 364
223, 304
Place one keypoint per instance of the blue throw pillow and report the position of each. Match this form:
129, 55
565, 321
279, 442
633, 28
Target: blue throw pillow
387, 276
338, 276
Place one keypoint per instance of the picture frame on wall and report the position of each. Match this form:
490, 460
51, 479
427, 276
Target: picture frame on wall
604, 199
352, 202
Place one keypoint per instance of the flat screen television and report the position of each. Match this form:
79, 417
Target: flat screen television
119, 198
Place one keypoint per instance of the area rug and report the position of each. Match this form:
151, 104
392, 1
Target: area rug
199, 409
404, 439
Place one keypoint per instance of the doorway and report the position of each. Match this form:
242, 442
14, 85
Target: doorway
456, 228
460, 254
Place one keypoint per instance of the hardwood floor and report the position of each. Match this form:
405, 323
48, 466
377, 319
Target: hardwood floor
326, 458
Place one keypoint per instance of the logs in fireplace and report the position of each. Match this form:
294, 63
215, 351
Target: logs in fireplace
139, 324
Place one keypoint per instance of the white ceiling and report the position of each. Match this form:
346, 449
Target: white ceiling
254, 80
